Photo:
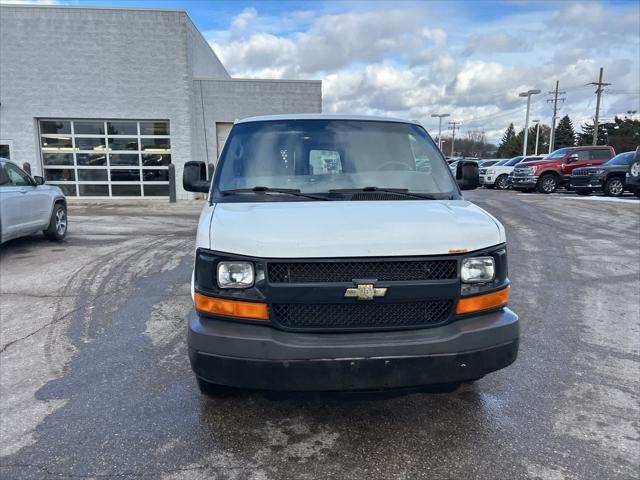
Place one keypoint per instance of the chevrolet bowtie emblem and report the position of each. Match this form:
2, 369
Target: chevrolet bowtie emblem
365, 291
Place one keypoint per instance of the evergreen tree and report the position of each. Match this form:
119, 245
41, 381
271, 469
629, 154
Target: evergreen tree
565, 134
586, 137
508, 145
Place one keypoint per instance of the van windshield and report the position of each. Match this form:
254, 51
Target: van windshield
324, 157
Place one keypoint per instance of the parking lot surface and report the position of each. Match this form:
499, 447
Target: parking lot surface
95, 380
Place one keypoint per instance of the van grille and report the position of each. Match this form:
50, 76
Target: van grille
331, 272
351, 316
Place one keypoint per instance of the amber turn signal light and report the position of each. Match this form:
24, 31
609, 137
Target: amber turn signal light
231, 308
483, 302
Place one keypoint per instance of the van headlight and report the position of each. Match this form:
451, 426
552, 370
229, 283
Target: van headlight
235, 274
478, 270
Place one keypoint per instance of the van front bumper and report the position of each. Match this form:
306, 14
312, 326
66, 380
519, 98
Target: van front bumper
261, 357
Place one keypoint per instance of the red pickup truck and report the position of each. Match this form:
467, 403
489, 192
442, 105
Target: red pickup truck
555, 169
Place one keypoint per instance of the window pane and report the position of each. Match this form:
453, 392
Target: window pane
93, 175
122, 128
68, 190
94, 190
17, 176
123, 143
88, 128
90, 143
155, 175
125, 175
123, 159
57, 158
154, 144
55, 127
56, 143
5, 152
59, 174
156, 190
154, 128
92, 159
125, 190
156, 159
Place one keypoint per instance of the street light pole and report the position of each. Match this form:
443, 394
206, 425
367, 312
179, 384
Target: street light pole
526, 122
537, 122
440, 116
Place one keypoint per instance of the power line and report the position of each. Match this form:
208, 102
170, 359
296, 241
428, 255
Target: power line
453, 135
555, 93
599, 91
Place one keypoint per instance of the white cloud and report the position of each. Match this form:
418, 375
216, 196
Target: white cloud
422, 58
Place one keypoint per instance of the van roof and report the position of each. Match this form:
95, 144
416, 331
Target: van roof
325, 116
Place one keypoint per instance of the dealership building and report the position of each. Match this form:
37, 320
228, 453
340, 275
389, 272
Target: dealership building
100, 101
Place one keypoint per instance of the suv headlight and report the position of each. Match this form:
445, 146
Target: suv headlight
478, 270
491, 171
235, 274
597, 171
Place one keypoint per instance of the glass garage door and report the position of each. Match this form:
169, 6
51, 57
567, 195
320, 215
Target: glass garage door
106, 158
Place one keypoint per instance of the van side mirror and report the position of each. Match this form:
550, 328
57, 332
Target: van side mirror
573, 158
39, 180
467, 175
194, 177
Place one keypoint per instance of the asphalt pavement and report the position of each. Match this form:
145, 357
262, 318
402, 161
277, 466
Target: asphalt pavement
95, 381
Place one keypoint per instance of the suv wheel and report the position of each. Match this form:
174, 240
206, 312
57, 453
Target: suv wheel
502, 182
57, 228
614, 187
547, 183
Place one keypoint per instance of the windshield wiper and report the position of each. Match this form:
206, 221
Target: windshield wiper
260, 189
398, 191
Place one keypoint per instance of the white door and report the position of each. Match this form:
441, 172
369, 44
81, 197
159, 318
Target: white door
222, 132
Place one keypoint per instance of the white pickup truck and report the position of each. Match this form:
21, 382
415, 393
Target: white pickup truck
336, 252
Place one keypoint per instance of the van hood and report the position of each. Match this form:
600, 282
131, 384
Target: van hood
352, 228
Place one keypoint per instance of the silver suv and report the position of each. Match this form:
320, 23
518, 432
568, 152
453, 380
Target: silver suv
28, 206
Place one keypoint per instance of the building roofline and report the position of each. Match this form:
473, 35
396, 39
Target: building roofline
93, 7
117, 8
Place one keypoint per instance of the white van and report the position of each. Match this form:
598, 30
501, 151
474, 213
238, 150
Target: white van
336, 252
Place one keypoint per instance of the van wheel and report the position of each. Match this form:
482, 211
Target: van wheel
547, 183
214, 390
583, 191
57, 228
614, 187
502, 183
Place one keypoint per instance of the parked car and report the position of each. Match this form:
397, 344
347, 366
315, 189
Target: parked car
498, 175
554, 170
370, 275
633, 175
28, 206
608, 177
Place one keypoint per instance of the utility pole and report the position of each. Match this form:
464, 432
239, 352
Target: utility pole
453, 135
440, 116
527, 94
552, 137
537, 122
599, 91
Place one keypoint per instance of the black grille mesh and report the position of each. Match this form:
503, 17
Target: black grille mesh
361, 315
328, 272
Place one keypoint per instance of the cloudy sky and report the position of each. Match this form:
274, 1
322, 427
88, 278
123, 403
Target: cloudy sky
412, 59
